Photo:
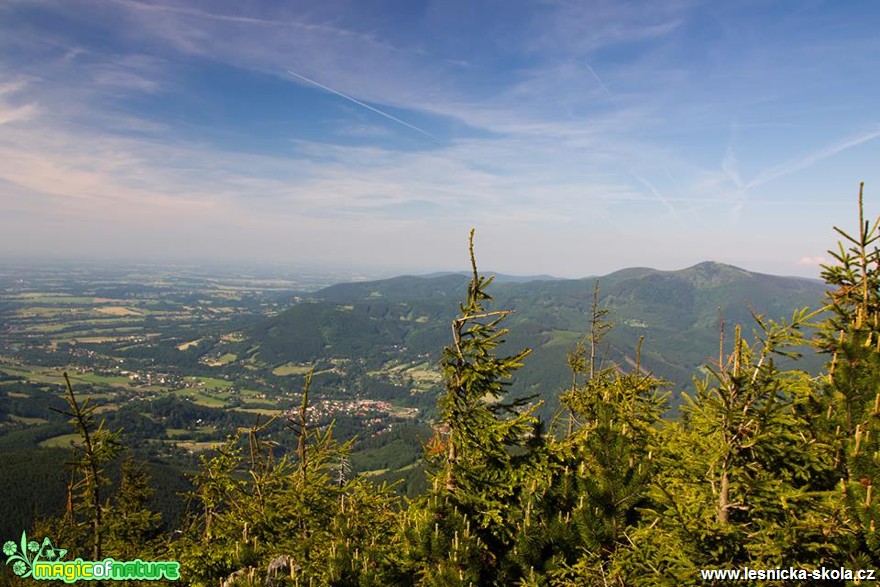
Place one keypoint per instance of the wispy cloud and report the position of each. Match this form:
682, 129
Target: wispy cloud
12, 87
584, 27
14, 112
242, 20
127, 73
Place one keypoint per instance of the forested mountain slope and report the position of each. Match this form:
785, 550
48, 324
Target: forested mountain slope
408, 317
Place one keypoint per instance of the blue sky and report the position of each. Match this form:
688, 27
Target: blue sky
577, 137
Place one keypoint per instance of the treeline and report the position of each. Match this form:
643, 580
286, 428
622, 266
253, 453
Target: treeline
766, 467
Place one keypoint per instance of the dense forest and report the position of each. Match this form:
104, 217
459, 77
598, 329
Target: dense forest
766, 467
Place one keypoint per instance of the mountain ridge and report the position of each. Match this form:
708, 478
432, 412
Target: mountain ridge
704, 267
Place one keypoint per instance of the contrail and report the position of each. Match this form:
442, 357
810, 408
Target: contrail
598, 79
790, 167
359, 103
656, 193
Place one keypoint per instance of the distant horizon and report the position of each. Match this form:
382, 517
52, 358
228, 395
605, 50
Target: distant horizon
209, 268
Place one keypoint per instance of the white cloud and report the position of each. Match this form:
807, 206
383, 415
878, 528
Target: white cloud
17, 113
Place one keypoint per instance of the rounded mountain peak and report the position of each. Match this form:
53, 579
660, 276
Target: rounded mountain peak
714, 272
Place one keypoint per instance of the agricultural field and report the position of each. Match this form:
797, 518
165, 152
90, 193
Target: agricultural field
170, 358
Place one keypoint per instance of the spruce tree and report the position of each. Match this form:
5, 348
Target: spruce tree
462, 532
579, 514
482, 428
741, 480
851, 337
132, 528
83, 525
263, 520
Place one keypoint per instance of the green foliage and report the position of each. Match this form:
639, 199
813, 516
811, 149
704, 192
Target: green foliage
596, 477
481, 426
98, 446
740, 481
132, 528
851, 404
254, 509
121, 526
482, 454
442, 547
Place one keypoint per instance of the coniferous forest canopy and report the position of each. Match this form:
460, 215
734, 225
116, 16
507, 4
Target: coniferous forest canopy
764, 463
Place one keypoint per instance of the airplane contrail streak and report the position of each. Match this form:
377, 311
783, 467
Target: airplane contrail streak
656, 193
790, 167
359, 103
597, 78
